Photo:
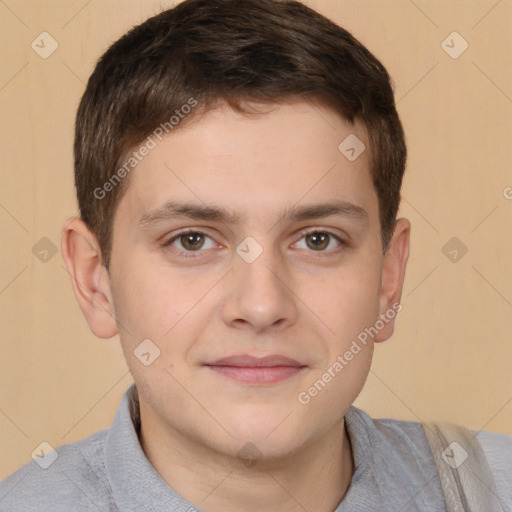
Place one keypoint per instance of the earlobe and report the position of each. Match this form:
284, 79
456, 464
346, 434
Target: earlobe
393, 275
89, 278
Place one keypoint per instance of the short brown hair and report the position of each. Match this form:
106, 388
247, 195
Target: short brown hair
235, 51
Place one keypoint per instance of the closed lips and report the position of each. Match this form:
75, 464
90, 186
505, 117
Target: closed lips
257, 371
247, 361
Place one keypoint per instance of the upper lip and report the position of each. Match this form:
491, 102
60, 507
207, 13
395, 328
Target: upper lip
245, 360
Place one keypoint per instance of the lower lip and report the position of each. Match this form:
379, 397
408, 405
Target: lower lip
258, 375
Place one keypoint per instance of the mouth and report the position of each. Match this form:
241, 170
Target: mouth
257, 370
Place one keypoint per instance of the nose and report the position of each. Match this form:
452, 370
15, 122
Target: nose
259, 295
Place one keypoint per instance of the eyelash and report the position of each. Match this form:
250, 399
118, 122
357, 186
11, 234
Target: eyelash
195, 254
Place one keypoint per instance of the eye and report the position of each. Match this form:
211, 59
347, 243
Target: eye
190, 241
318, 241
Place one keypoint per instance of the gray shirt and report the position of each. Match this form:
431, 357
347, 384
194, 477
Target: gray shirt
108, 471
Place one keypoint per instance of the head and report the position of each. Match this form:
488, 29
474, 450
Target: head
229, 119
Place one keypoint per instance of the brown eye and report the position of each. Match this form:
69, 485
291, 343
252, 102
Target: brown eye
192, 241
318, 240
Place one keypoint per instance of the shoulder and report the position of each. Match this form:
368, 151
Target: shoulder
73, 477
406, 449
393, 463
498, 450
497, 446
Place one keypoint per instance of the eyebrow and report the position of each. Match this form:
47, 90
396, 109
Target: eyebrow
173, 210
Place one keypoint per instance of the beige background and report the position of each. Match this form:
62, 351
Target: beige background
451, 356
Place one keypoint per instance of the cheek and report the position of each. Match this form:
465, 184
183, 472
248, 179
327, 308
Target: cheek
347, 301
145, 306
353, 306
164, 306
336, 385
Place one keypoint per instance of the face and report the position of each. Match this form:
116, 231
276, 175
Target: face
257, 240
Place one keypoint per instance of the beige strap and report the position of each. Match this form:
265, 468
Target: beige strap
467, 480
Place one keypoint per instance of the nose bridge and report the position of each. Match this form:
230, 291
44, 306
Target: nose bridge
259, 295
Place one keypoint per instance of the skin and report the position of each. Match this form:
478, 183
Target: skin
295, 299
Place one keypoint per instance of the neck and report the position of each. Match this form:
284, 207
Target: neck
316, 477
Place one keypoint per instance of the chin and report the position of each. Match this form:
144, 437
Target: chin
274, 438
265, 452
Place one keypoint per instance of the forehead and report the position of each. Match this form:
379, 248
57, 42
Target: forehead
255, 165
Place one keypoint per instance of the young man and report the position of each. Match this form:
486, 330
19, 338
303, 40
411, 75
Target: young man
238, 168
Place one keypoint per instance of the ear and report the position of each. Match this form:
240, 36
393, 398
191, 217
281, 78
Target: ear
393, 274
90, 279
